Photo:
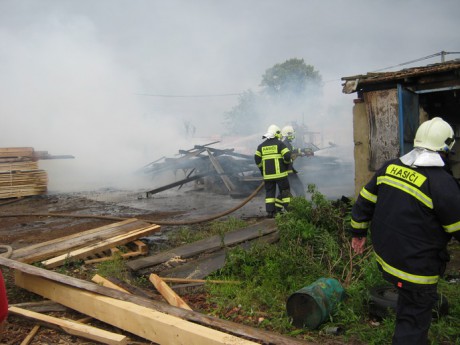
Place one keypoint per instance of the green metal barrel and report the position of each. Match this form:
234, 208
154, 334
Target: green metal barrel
311, 306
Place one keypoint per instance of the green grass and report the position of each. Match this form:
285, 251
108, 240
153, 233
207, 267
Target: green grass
186, 234
314, 243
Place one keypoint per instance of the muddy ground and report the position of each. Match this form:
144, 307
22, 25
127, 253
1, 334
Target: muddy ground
25, 229
186, 204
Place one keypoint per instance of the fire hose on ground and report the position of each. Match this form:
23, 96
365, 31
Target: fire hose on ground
159, 222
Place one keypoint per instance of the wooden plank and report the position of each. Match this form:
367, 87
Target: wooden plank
107, 283
31, 335
16, 152
44, 306
134, 290
215, 163
72, 327
206, 245
45, 250
7, 167
141, 246
144, 322
100, 246
83, 237
168, 293
202, 267
190, 280
142, 249
265, 337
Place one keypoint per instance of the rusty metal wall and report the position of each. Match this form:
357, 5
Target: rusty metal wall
382, 112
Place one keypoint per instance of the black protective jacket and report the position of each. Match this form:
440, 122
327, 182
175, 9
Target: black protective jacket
294, 153
412, 213
273, 158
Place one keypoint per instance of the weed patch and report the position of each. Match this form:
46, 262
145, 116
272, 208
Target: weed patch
314, 243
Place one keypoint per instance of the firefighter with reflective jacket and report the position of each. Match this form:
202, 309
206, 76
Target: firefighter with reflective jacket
273, 158
414, 205
294, 181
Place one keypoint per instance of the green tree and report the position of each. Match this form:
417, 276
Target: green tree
291, 78
243, 117
286, 89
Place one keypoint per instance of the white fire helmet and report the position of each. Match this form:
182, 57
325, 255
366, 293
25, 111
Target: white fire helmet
288, 132
273, 131
435, 135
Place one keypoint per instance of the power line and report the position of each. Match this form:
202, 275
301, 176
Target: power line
442, 54
189, 96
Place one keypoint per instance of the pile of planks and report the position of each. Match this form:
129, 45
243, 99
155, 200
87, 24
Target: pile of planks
19, 173
132, 311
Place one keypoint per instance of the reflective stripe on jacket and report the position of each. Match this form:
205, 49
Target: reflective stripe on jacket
294, 153
272, 158
412, 213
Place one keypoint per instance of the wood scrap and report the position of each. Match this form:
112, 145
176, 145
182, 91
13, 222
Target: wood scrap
72, 327
204, 266
120, 285
215, 163
107, 283
44, 306
16, 152
168, 293
134, 290
58, 246
50, 279
210, 244
141, 249
190, 280
100, 246
31, 335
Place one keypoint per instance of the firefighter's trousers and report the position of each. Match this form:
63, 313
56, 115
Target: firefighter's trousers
275, 203
414, 312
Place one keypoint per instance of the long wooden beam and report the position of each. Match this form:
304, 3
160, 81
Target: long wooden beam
147, 323
248, 332
72, 327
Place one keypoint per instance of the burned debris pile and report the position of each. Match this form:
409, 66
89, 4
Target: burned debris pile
222, 171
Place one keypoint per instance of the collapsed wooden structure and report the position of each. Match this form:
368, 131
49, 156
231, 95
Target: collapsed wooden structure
223, 171
19, 172
125, 307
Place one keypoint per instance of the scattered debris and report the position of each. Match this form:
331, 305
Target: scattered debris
219, 170
144, 315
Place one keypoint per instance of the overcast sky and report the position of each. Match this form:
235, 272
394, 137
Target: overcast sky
88, 77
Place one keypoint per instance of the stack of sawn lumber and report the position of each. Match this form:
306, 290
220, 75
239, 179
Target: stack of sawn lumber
19, 173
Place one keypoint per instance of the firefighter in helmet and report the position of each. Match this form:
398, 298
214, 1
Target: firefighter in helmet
272, 157
412, 205
296, 184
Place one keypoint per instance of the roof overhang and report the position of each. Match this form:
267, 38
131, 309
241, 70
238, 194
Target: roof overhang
444, 75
